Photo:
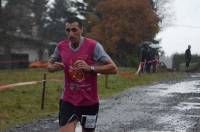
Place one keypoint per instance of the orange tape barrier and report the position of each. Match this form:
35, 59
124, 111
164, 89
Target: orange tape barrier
8, 86
4, 87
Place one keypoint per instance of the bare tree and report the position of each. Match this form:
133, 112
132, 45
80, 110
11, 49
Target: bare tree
164, 11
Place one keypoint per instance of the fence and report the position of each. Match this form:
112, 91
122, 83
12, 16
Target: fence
43, 82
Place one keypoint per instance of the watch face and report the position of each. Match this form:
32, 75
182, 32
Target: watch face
76, 74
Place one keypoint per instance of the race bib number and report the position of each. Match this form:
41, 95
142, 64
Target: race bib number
89, 121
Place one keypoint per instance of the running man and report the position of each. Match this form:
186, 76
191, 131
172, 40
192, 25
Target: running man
81, 59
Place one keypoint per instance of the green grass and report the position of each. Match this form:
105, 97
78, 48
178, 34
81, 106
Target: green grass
22, 104
194, 67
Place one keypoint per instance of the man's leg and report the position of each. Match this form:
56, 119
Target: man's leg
67, 117
69, 127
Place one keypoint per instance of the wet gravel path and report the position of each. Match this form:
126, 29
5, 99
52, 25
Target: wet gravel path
164, 107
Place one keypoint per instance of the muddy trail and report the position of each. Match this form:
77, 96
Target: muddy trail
172, 106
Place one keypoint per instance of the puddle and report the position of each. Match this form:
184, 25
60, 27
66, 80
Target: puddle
196, 75
182, 87
187, 106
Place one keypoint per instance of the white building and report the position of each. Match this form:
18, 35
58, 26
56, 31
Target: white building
21, 49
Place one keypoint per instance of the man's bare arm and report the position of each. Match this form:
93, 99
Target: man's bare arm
55, 66
109, 67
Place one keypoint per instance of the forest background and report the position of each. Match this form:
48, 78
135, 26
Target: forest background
120, 26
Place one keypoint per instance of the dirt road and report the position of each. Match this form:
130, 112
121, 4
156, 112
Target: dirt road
164, 107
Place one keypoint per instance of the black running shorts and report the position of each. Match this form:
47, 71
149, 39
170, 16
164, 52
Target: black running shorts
87, 115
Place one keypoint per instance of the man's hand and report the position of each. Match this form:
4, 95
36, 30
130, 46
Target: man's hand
81, 64
55, 66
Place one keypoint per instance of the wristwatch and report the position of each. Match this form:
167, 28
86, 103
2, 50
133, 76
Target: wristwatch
92, 68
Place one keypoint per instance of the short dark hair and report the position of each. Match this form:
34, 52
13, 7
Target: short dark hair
74, 19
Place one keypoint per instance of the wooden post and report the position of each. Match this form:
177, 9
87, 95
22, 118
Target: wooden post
43, 91
106, 80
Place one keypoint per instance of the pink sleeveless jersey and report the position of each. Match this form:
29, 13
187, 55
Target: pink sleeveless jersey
80, 86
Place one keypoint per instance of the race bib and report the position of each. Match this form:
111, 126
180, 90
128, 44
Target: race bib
89, 121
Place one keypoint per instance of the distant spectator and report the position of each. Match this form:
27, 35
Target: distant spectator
154, 59
149, 60
143, 57
188, 57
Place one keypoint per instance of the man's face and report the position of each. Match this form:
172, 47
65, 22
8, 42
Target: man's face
73, 32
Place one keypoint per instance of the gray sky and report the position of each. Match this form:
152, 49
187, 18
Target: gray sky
186, 29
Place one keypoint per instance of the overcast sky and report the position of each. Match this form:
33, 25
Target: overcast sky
186, 29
